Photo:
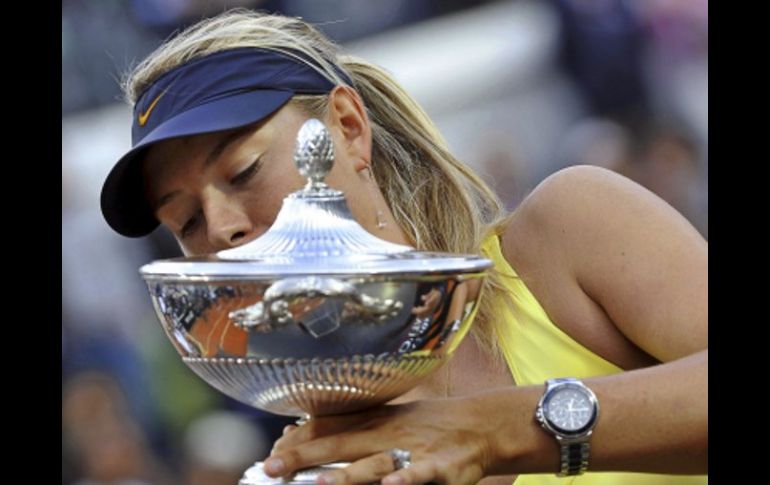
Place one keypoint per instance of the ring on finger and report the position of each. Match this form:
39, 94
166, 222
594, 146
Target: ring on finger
401, 458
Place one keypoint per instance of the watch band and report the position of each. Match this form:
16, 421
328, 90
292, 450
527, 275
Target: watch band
574, 458
574, 451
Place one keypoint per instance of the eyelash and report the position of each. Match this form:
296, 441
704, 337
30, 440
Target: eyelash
191, 224
246, 174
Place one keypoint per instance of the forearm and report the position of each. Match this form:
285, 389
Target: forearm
651, 420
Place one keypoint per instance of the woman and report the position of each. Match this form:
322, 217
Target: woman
595, 278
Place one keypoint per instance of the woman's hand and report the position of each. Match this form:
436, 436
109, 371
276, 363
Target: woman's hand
460, 440
450, 441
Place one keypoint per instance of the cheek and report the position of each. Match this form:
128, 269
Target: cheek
277, 178
264, 200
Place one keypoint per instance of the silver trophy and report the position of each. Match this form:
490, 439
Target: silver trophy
317, 316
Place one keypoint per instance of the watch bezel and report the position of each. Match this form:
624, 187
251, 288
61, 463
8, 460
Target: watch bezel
559, 432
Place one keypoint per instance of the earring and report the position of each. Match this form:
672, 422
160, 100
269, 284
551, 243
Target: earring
381, 220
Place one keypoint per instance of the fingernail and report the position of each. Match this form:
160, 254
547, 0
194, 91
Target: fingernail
393, 480
274, 466
325, 480
286, 429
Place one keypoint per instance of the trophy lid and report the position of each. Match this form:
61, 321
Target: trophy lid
315, 233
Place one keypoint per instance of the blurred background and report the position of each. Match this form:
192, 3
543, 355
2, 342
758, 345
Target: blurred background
519, 88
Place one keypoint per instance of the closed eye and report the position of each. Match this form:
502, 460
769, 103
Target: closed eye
247, 173
191, 224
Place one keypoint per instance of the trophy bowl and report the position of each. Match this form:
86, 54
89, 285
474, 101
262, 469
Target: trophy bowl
316, 316
332, 354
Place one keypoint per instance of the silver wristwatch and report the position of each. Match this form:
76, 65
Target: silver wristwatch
568, 410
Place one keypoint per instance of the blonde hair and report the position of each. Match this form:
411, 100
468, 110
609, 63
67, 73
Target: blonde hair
439, 202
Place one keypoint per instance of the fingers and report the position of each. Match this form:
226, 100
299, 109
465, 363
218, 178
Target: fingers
433, 471
286, 430
321, 427
450, 466
294, 435
367, 470
419, 472
339, 447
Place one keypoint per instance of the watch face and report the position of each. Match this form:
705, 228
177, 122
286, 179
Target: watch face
569, 409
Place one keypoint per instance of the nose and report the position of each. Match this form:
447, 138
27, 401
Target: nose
228, 224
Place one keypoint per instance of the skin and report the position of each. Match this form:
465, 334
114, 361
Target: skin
234, 199
614, 267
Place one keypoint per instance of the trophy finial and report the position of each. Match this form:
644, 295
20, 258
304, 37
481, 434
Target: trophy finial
314, 154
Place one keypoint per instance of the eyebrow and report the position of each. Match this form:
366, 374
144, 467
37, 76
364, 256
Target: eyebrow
210, 160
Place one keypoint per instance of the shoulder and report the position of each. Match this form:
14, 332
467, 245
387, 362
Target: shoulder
625, 248
564, 206
565, 195
581, 204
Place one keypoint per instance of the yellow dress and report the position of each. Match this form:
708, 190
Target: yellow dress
530, 342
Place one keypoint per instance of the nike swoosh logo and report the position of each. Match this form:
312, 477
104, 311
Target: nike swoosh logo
143, 117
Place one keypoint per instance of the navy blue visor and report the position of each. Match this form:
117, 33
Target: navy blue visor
221, 91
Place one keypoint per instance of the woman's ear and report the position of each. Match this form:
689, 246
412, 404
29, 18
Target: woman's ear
347, 116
